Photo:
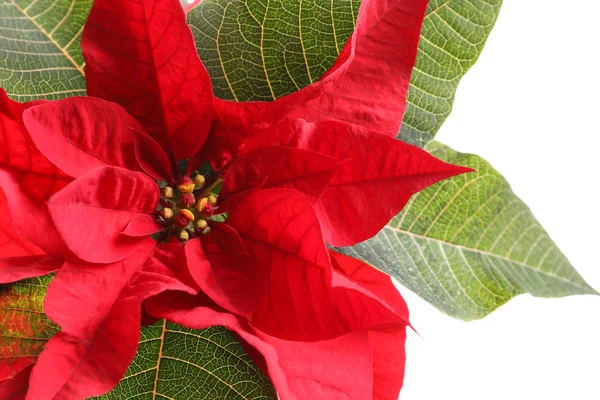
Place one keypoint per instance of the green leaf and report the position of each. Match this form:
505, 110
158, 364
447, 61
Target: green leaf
174, 362
469, 244
262, 50
40, 56
454, 33
24, 329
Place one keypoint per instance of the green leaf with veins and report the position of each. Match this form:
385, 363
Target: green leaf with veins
261, 50
454, 33
174, 362
469, 244
24, 329
40, 56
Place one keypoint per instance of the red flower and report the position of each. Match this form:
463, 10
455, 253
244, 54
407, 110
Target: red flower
80, 177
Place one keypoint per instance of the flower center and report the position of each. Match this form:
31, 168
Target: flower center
186, 210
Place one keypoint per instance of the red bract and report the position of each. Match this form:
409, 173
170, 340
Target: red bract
95, 183
360, 364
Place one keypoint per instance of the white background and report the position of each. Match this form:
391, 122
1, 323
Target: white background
530, 107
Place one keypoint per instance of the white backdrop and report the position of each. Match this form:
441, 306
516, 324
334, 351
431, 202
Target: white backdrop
529, 106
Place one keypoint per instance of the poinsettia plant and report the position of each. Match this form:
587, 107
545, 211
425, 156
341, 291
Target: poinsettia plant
154, 209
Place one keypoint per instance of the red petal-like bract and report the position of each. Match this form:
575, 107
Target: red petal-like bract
366, 86
373, 91
225, 271
28, 178
370, 189
92, 212
304, 299
338, 369
356, 366
141, 55
152, 157
81, 134
11, 243
16, 387
98, 308
387, 343
142, 226
305, 171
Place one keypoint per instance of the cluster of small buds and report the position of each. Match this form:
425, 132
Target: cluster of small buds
186, 208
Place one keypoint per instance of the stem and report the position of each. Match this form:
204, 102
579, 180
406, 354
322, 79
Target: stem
209, 189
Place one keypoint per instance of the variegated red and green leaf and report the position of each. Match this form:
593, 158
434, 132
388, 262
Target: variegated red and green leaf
24, 329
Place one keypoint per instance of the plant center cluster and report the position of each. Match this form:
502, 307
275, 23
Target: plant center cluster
186, 209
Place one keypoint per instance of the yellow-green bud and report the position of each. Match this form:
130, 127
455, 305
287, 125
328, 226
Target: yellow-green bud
166, 213
167, 192
184, 235
199, 181
201, 224
212, 199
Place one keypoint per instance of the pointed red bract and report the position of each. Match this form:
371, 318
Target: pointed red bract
141, 55
366, 86
372, 93
92, 212
305, 171
370, 279
303, 299
151, 157
81, 134
357, 366
225, 271
372, 187
98, 308
28, 178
